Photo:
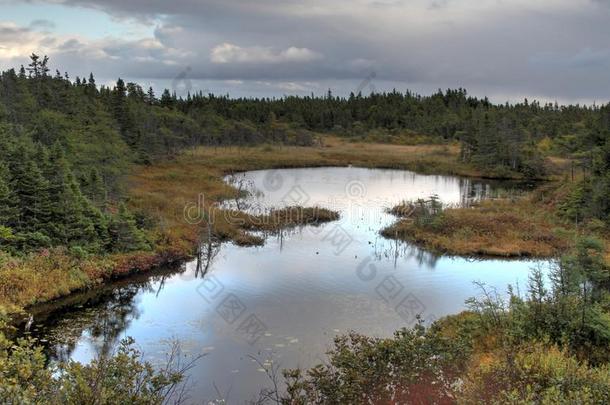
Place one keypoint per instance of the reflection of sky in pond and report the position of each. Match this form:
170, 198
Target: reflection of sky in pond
304, 287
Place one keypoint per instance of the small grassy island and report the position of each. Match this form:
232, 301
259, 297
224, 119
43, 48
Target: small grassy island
490, 228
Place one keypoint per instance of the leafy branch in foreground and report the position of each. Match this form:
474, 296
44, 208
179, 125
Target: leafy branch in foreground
122, 377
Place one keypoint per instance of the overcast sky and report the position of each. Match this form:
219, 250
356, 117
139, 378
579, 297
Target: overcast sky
505, 49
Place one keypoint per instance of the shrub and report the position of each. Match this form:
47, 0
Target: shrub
535, 374
121, 378
417, 365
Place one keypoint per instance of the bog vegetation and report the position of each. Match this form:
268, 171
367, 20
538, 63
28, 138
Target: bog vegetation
89, 178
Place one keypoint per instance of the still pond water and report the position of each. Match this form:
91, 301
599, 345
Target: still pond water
286, 300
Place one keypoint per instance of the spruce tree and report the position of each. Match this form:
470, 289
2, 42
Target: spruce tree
8, 201
124, 233
32, 192
68, 209
93, 188
91, 88
78, 221
150, 96
123, 116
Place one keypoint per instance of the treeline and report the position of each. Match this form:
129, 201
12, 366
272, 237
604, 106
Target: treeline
503, 140
505, 137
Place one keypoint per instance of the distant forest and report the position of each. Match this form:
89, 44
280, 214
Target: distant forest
66, 145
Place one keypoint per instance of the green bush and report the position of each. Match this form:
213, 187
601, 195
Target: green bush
120, 378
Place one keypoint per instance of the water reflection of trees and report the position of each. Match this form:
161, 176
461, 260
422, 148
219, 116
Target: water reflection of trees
102, 315
399, 250
105, 313
472, 191
206, 253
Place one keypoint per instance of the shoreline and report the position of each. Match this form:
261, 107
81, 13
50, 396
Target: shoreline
494, 228
173, 184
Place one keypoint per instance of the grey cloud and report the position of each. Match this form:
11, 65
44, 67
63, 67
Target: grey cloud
585, 58
439, 4
43, 25
552, 48
9, 33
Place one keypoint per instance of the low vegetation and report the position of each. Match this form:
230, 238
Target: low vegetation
102, 174
119, 378
543, 223
237, 226
518, 228
165, 189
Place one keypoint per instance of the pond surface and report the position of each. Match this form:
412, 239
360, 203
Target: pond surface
286, 300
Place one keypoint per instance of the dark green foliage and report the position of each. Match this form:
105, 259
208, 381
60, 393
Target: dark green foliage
590, 197
416, 366
70, 220
31, 190
53, 132
94, 189
26, 377
497, 140
66, 146
8, 200
600, 182
124, 233
569, 312
44, 205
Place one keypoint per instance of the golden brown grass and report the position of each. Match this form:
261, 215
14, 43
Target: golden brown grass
504, 228
236, 225
54, 273
165, 189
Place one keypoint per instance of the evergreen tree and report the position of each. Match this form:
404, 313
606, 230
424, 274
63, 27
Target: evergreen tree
124, 233
150, 96
166, 99
600, 196
34, 66
122, 114
8, 201
32, 192
94, 189
91, 87
68, 208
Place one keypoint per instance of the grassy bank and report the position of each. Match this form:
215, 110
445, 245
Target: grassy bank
492, 228
43, 276
529, 226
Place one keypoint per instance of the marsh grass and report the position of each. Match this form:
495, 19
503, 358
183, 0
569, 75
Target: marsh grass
506, 228
201, 171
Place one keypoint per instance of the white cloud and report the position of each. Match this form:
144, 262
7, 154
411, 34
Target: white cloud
230, 53
292, 86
